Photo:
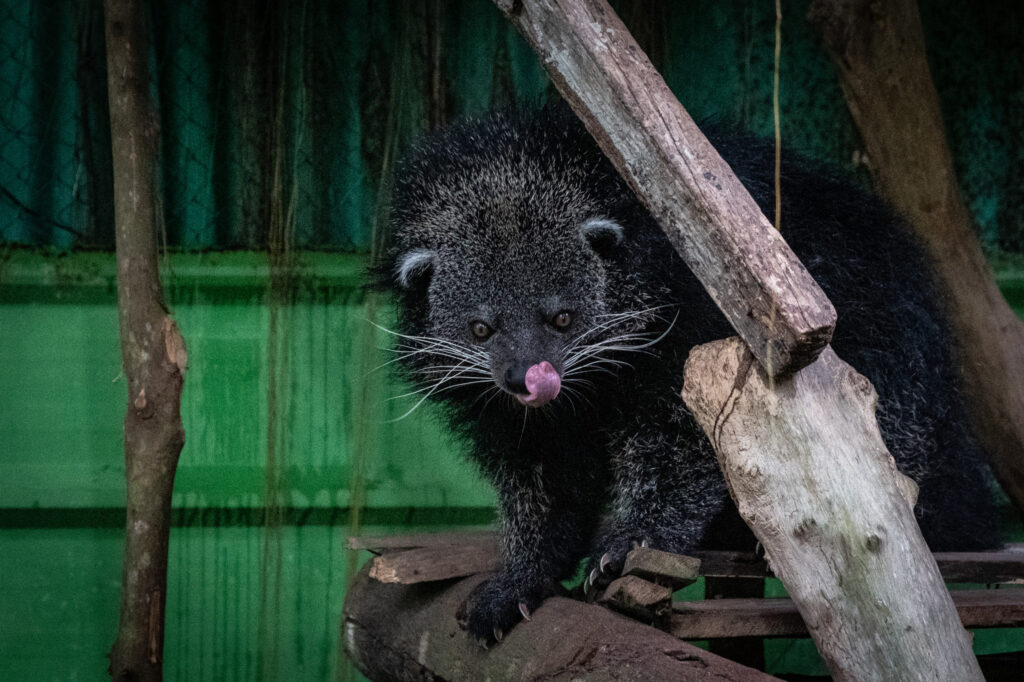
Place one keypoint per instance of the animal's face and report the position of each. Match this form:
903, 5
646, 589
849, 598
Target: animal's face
503, 249
514, 297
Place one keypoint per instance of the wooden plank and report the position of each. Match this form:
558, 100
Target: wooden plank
427, 564
712, 221
663, 568
483, 541
1004, 565
719, 618
639, 598
779, 617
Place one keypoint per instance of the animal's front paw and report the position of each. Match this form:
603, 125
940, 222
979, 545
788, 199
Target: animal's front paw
609, 556
497, 604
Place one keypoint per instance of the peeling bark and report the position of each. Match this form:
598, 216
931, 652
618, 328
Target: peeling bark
153, 351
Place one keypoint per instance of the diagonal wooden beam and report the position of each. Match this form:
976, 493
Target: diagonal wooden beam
716, 226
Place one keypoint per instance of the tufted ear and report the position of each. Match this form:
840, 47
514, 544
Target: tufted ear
602, 234
413, 264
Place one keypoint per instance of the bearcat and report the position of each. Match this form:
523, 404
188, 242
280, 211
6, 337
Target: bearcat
541, 304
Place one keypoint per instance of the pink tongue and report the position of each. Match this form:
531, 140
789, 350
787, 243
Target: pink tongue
543, 383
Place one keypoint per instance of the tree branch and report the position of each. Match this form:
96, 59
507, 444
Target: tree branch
152, 350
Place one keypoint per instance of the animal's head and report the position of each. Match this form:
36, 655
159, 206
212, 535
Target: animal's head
504, 245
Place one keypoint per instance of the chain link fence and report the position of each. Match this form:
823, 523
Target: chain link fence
264, 110
284, 118
50, 192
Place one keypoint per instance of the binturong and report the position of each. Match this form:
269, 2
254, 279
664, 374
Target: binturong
542, 306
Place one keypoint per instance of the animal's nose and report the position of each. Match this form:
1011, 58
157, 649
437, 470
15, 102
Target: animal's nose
515, 378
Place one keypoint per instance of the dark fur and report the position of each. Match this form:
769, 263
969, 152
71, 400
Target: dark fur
493, 209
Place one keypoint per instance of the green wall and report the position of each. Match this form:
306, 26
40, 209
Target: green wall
62, 472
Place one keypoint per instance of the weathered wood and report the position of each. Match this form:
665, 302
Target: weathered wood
152, 349
997, 566
779, 617
723, 618
878, 49
401, 632
710, 218
809, 472
638, 598
484, 541
426, 564
660, 567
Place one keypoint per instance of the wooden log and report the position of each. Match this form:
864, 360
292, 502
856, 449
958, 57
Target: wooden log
402, 632
765, 292
729, 618
809, 472
878, 49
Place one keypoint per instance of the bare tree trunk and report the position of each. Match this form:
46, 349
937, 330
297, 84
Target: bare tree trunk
807, 467
878, 49
152, 350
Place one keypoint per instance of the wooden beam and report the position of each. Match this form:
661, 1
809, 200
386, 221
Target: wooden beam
484, 540
712, 221
726, 618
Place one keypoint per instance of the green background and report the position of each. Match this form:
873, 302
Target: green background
294, 375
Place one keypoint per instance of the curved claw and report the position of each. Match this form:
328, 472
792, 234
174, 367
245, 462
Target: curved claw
593, 577
525, 611
643, 543
606, 559
498, 634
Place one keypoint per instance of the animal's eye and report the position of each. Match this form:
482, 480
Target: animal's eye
481, 330
562, 319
